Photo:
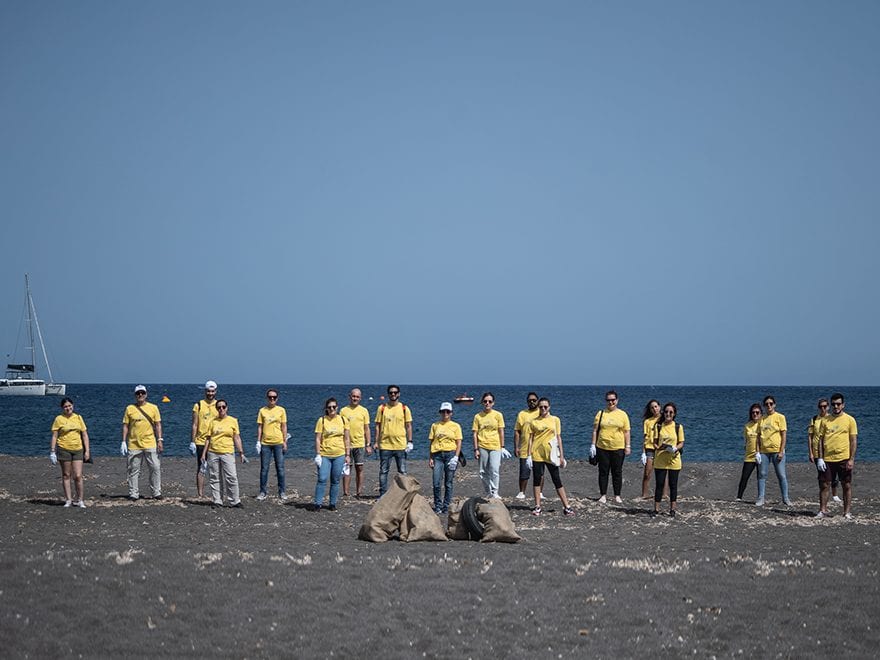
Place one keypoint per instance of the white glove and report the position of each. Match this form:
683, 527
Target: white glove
564, 463
819, 464
123, 448
529, 462
318, 460
671, 449
505, 453
409, 447
592, 451
53, 458
346, 469
244, 459
644, 458
258, 447
203, 467
758, 458
453, 462
192, 448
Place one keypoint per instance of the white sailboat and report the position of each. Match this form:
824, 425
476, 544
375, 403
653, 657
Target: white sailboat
22, 378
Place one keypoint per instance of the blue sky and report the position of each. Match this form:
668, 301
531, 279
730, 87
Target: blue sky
490, 192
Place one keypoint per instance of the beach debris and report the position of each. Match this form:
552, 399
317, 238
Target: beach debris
124, 557
208, 558
653, 565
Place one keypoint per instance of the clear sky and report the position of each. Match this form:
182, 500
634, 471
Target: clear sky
458, 192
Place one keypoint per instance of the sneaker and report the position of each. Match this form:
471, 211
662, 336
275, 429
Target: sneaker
617, 499
261, 497
67, 503
536, 511
316, 507
496, 496
821, 514
237, 505
133, 498
654, 514
603, 500
836, 498
759, 503
81, 504
332, 507
520, 495
739, 499
847, 515
568, 511
786, 502
157, 497
282, 497
672, 513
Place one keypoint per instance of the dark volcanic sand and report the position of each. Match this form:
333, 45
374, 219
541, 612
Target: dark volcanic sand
175, 578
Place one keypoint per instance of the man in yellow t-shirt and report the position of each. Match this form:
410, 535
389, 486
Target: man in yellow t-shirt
393, 436
142, 440
611, 445
358, 419
203, 413
838, 438
272, 443
521, 441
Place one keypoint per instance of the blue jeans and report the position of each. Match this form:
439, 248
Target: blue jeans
779, 467
330, 467
442, 473
490, 466
267, 453
385, 456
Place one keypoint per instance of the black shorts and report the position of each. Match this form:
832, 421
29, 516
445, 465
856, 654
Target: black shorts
836, 471
66, 455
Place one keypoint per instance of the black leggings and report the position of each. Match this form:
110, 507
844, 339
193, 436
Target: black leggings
610, 460
748, 468
538, 472
660, 480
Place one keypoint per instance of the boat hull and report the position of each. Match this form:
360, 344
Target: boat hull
21, 387
58, 389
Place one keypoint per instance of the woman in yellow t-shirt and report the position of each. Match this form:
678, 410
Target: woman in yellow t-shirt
650, 417
224, 439
332, 452
488, 429
445, 437
71, 438
750, 461
668, 441
771, 445
545, 451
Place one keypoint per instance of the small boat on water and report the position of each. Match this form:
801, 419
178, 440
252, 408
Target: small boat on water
22, 378
463, 398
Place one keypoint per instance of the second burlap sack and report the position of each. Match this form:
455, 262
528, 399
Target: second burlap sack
497, 523
421, 523
388, 513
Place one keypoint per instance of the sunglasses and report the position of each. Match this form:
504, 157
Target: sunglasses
532, 401
221, 407
273, 397
394, 393
610, 400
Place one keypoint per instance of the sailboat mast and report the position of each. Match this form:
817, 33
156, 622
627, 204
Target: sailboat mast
30, 323
32, 312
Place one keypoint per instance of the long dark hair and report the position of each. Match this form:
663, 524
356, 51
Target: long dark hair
649, 414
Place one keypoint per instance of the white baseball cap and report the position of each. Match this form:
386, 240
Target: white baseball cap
446, 406
210, 385
140, 388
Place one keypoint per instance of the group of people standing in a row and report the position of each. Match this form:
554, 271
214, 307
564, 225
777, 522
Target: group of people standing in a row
344, 437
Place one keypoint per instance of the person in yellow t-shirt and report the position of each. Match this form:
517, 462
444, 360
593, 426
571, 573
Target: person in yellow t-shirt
545, 451
611, 445
272, 443
445, 437
750, 435
203, 413
813, 429
488, 430
668, 442
224, 439
70, 436
142, 441
521, 441
650, 417
332, 452
838, 439
358, 419
771, 446
393, 436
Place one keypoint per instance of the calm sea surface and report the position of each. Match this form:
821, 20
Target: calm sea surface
712, 417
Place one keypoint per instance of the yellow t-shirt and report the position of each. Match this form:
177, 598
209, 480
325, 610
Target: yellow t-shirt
393, 420
357, 418
332, 433
70, 430
140, 431
271, 420
836, 430
648, 429
207, 413
522, 425
611, 432
750, 435
663, 460
813, 429
222, 433
444, 436
488, 426
771, 432
542, 430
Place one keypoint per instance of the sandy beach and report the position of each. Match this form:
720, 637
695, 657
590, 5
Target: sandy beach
176, 578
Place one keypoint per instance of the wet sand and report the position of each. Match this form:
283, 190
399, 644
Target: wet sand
176, 578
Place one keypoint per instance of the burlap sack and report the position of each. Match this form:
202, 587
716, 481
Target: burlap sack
421, 523
455, 528
496, 519
384, 518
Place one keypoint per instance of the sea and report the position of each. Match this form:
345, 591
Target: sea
712, 417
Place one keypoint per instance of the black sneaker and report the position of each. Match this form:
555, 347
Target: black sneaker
672, 513
332, 507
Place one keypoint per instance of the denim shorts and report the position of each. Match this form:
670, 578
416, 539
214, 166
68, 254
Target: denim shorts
358, 455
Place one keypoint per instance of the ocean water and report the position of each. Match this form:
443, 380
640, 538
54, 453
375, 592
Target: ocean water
712, 417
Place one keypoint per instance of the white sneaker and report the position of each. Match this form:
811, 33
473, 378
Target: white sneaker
67, 504
496, 496
786, 502
617, 499
836, 498
603, 500
821, 514
81, 504
848, 516
261, 497
759, 503
282, 497
520, 495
